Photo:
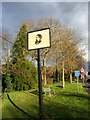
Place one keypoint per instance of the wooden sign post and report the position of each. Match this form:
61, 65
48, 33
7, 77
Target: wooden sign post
39, 39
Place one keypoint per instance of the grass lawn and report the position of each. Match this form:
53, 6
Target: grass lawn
66, 103
9, 110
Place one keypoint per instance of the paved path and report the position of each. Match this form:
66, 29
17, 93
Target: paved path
87, 87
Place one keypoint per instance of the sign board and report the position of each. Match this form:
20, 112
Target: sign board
77, 73
39, 39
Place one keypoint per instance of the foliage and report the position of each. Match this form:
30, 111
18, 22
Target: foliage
24, 75
24, 72
20, 45
8, 82
51, 71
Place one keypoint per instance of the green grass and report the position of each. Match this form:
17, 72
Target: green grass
66, 103
26, 101
9, 110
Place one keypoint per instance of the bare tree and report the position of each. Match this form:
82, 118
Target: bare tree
63, 49
40, 24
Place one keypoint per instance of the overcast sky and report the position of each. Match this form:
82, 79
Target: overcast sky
71, 14
45, 0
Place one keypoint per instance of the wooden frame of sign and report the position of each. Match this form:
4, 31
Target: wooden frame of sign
44, 37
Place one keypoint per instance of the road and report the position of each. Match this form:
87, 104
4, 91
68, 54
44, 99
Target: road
87, 87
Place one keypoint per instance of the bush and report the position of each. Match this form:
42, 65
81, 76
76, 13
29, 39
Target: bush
8, 82
25, 76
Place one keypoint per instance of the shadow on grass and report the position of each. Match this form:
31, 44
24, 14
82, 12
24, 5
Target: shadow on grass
79, 96
29, 116
18, 119
60, 111
75, 95
53, 110
59, 86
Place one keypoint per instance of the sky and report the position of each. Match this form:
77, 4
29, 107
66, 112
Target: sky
72, 14
44, 0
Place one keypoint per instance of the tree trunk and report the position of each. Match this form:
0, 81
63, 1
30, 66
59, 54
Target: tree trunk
44, 71
63, 81
71, 77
